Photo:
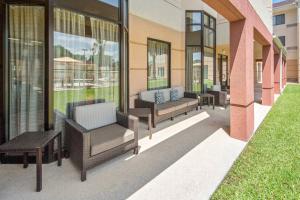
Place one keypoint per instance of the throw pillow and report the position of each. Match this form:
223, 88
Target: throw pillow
174, 95
159, 97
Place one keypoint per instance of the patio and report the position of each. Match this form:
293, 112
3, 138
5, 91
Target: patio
193, 150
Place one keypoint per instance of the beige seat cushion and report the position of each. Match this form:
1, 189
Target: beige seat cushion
189, 101
180, 105
108, 137
166, 108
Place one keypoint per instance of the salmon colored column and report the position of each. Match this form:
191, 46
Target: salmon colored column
268, 76
241, 80
285, 73
277, 65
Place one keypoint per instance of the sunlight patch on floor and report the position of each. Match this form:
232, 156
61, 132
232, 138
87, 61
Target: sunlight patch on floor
168, 132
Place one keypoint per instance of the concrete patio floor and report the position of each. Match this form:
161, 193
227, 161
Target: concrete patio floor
186, 159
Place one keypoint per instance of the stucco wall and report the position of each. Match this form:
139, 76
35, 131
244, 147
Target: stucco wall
140, 30
264, 9
290, 31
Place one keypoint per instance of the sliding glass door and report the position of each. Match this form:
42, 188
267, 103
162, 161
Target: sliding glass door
26, 67
86, 59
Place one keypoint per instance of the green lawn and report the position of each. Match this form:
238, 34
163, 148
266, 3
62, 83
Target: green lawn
61, 98
269, 168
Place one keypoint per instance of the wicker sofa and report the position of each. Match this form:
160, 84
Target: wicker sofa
97, 133
170, 109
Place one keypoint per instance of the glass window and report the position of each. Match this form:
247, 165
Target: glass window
206, 20
259, 71
278, 19
26, 64
209, 37
158, 64
114, 3
208, 67
193, 18
193, 33
86, 59
193, 66
212, 23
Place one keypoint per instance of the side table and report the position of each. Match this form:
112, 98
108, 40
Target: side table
33, 142
209, 97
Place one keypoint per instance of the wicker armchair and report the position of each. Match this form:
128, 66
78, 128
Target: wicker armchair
95, 138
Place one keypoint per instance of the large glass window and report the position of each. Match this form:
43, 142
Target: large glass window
26, 66
158, 64
194, 68
200, 51
86, 59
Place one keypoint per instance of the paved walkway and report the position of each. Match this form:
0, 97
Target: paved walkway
186, 159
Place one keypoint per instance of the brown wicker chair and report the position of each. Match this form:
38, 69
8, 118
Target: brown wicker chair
90, 147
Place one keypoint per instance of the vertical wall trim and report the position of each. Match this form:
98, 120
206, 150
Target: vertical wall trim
49, 38
2, 72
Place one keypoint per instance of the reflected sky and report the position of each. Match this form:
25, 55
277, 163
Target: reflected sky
79, 45
111, 2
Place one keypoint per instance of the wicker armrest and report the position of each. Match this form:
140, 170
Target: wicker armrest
192, 95
78, 142
144, 104
75, 126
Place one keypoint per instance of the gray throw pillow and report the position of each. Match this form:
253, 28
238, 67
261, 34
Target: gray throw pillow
159, 97
174, 95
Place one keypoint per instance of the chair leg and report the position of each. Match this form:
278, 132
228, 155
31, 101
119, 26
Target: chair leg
25, 160
59, 151
39, 170
136, 150
83, 175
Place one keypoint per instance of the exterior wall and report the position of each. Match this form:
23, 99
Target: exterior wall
291, 32
264, 10
164, 21
140, 30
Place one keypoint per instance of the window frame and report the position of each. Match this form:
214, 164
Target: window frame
169, 63
202, 46
278, 19
72, 5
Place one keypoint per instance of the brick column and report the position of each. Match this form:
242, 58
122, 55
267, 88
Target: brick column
277, 75
268, 76
284, 73
241, 80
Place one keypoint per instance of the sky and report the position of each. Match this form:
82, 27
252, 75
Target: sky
276, 1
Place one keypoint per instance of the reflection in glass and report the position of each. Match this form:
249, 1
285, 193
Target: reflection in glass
86, 59
26, 68
158, 64
208, 68
193, 18
193, 33
193, 67
209, 38
111, 2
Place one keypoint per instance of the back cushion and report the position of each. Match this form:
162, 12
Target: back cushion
180, 91
95, 115
148, 96
216, 88
166, 93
